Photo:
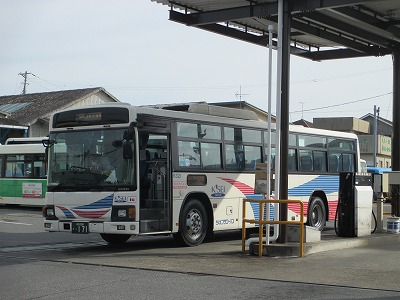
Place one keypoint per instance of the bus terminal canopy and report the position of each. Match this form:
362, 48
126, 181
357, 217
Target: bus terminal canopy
314, 29
320, 29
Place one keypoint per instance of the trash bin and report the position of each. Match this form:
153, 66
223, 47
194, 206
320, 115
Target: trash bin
393, 225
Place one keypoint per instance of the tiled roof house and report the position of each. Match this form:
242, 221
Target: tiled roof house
28, 115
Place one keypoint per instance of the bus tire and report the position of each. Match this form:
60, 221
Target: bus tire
316, 215
193, 223
115, 239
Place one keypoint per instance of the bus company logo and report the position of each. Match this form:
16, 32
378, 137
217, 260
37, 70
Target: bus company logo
218, 191
124, 199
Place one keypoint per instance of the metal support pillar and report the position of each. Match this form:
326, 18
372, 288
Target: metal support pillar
396, 130
395, 193
379, 213
396, 115
284, 133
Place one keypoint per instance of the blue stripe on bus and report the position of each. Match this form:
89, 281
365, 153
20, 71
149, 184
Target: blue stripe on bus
67, 212
256, 207
102, 203
328, 183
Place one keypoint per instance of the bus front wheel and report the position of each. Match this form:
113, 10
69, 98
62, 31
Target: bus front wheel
115, 239
193, 223
316, 216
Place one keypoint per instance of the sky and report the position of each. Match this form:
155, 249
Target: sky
130, 48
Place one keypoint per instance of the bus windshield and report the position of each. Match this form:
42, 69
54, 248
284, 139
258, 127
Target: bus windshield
88, 160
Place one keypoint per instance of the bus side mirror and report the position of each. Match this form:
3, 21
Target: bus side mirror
129, 134
127, 152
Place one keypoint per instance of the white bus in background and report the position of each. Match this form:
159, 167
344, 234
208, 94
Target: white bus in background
120, 170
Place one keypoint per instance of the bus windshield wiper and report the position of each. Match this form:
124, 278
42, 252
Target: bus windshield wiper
62, 183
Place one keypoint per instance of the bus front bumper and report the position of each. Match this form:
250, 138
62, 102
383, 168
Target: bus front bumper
131, 228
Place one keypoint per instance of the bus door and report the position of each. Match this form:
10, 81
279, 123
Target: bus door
154, 179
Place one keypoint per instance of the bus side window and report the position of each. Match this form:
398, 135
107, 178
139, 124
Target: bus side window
333, 163
211, 155
252, 155
292, 161
319, 161
232, 157
306, 163
10, 169
317, 164
239, 156
348, 165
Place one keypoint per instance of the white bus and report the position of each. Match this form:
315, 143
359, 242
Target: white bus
121, 170
23, 174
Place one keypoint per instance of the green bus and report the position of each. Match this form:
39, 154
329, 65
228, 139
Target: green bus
23, 179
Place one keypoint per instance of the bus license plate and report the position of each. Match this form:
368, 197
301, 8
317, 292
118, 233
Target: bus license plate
80, 227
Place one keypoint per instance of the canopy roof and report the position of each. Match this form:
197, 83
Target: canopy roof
320, 29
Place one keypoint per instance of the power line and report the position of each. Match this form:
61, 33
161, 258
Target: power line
215, 87
341, 104
316, 80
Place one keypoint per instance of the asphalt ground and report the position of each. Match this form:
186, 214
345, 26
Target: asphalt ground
371, 262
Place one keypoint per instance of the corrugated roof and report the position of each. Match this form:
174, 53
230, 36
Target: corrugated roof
320, 30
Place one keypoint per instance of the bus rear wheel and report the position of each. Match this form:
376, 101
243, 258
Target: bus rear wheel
115, 239
193, 223
316, 216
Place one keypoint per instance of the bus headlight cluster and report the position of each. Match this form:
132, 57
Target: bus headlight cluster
49, 213
123, 213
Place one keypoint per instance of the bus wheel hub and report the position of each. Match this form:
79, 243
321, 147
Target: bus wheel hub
194, 223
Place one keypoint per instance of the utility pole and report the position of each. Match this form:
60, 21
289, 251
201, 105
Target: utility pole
25, 75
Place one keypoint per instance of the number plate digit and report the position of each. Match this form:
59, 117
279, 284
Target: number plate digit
80, 227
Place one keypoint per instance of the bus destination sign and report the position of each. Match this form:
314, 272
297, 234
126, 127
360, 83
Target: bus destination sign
88, 117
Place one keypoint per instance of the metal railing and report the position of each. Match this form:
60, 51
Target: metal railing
261, 222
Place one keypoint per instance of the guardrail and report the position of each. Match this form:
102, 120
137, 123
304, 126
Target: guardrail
261, 222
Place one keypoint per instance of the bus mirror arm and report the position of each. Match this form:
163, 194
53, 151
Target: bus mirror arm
117, 144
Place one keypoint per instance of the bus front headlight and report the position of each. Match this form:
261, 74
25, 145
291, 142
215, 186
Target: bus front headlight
49, 212
121, 213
